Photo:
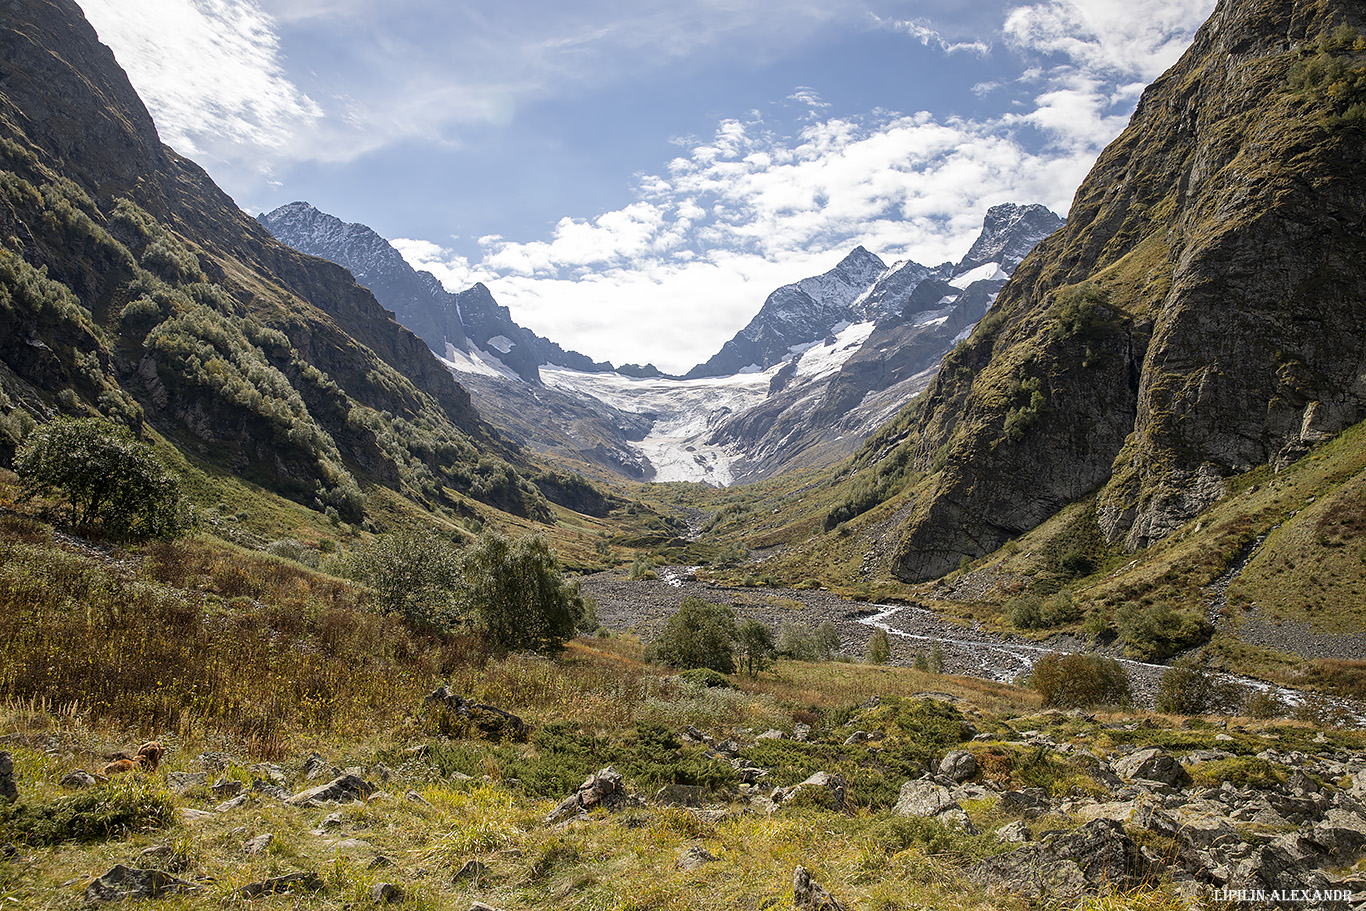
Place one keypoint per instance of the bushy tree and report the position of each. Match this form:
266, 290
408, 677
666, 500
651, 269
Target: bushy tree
754, 644
827, 640
415, 572
1080, 681
700, 634
112, 482
517, 596
1191, 688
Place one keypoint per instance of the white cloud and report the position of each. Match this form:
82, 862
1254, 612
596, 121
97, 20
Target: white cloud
928, 36
1138, 37
208, 70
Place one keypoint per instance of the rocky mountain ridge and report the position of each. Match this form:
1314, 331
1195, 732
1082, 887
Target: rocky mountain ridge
1200, 314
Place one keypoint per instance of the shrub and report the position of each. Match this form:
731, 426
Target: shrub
415, 573
111, 481
700, 634
1029, 611
126, 805
1079, 681
1156, 631
1191, 688
705, 676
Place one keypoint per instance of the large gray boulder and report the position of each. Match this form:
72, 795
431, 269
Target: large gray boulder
1096, 857
132, 883
342, 789
960, 765
1152, 764
925, 797
605, 788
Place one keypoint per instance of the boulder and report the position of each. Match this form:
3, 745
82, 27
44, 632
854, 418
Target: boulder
960, 765
1271, 868
1094, 858
1152, 764
605, 788
259, 844
924, 797
495, 723
77, 779
810, 896
1029, 803
342, 789
386, 894
473, 871
132, 883
1014, 833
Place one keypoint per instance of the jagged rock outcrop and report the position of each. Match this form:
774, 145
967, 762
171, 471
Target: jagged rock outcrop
1200, 314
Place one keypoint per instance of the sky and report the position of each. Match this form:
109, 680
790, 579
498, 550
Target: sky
632, 178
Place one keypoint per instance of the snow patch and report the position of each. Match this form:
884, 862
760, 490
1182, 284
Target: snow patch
823, 359
502, 344
475, 361
985, 273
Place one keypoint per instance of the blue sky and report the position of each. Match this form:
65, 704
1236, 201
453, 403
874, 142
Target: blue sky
633, 177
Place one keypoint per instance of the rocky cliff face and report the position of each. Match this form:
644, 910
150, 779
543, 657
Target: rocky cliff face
132, 285
1203, 311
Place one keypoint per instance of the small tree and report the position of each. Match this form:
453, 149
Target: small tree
112, 482
754, 644
700, 634
796, 642
878, 648
516, 594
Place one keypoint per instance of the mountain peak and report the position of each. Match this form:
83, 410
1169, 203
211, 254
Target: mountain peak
1009, 232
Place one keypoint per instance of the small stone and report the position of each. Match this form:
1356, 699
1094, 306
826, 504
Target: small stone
237, 802
77, 779
342, 789
385, 893
694, 856
132, 883
259, 844
473, 871
157, 854
414, 797
333, 821
304, 882
810, 896
771, 734
380, 862
960, 765
225, 788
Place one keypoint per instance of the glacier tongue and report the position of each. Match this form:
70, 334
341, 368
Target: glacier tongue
684, 412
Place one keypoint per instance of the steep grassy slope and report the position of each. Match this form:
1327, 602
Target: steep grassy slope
129, 284
1201, 314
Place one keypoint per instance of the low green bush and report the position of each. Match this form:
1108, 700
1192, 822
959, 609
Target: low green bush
127, 805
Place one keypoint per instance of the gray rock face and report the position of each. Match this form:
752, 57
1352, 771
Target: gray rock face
122, 883
960, 765
1065, 867
1152, 764
927, 798
1239, 336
